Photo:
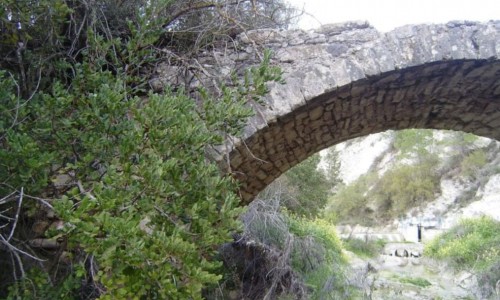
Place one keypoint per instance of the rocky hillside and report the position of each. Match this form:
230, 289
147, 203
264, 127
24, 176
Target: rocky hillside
464, 170
391, 184
398, 182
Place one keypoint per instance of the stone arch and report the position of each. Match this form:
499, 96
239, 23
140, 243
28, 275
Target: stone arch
359, 82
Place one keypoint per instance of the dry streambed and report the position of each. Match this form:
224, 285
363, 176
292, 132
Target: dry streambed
411, 276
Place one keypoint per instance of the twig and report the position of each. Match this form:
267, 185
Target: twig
280, 268
6, 198
17, 214
43, 201
5, 217
251, 154
20, 263
83, 191
93, 267
14, 273
14, 249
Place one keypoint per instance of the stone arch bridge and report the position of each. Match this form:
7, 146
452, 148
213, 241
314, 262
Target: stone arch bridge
349, 80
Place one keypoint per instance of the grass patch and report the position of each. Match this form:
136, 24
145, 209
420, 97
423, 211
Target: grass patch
310, 249
317, 256
418, 281
472, 244
367, 249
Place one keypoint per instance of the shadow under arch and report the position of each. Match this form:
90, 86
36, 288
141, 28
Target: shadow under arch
462, 95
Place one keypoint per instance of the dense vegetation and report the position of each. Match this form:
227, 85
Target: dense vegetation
290, 252
105, 187
282, 256
364, 248
411, 179
410, 182
471, 245
305, 189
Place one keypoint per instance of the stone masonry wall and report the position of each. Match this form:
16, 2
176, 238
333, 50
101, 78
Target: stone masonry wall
349, 80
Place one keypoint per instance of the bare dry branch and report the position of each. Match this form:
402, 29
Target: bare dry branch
14, 224
17, 250
7, 198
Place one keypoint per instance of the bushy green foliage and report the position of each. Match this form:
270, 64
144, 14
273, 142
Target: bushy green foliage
413, 143
37, 285
317, 256
304, 189
472, 244
152, 167
309, 247
418, 281
309, 188
160, 176
332, 169
460, 141
472, 163
324, 233
143, 207
350, 203
404, 187
372, 198
363, 248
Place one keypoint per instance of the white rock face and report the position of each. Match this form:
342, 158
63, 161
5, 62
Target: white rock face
373, 152
489, 203
357, 158
438, 213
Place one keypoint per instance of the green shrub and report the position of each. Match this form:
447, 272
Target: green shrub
39, 286
413, 142
370, 199
472, 163
472, 244
308, 247
350, 203
307, 188
364, 248
317, 256
405, 187
323, 232
418, 281
144, 209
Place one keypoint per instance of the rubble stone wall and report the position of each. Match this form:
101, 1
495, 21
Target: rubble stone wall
348, 80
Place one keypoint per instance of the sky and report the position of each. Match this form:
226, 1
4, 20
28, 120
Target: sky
389, 14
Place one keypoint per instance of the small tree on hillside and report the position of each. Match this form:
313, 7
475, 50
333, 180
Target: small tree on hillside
332, 168
303, 190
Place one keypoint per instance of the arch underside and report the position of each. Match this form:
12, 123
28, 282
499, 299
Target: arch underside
455, 94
